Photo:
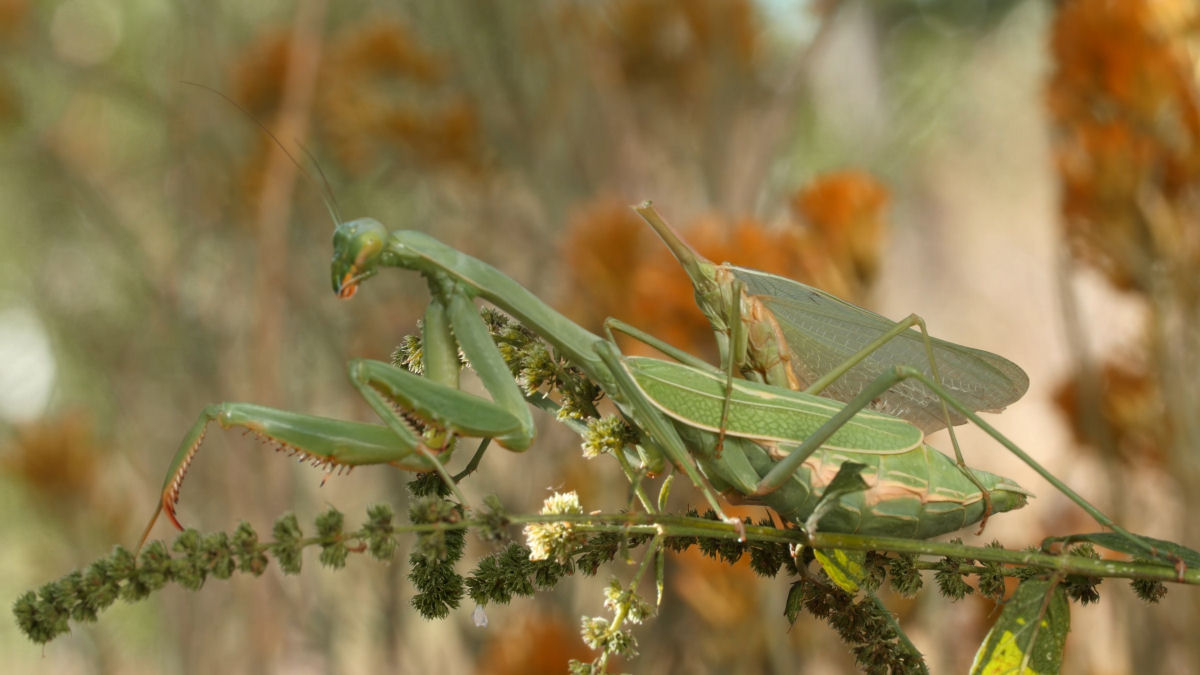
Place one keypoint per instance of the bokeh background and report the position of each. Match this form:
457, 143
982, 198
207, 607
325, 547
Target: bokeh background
1023, 174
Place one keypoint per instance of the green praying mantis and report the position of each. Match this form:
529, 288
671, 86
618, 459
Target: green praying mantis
753, 440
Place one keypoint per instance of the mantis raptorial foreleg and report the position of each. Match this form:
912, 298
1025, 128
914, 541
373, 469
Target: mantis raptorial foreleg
421, 415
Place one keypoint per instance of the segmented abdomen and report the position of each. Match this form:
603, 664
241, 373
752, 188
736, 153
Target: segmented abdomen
918, 494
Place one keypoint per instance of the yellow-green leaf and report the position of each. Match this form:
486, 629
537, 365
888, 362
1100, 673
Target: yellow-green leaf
847, 569
1030, 635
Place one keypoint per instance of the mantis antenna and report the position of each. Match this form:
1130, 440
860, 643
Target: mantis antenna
327, 196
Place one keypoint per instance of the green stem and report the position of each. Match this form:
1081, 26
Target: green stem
688, 526
635, 479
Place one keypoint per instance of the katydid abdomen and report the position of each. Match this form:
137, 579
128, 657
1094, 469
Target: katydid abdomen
919, 494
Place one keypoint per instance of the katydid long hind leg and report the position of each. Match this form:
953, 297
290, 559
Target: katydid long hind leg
788, 466
896, 331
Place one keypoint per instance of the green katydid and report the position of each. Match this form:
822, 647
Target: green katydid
421, 414
793, 335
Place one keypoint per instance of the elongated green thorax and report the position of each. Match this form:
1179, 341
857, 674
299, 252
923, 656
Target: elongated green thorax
762, 412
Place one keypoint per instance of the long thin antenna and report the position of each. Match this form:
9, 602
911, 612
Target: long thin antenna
332, 204
323, 186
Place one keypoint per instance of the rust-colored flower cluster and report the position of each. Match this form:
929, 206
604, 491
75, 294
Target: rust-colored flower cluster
671, 45
383, 94
381, 97
1125, 100
57, 458
845, 213
1131, 403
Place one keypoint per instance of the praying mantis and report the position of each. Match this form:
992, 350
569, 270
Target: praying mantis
421, 414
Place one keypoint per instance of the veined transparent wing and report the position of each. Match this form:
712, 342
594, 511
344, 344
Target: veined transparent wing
823, 331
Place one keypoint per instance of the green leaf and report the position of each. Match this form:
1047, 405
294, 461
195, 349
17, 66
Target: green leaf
1031, 633
794, 604
847, 569
1165, 551
847, 481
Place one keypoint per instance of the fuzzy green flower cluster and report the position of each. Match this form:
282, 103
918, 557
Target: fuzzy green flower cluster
409, 355
537, 368
81, 595
606, 435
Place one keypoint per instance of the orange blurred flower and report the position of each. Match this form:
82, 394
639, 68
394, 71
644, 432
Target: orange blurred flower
384, 96
57, 458
1124, 97
672, 45
1133, 416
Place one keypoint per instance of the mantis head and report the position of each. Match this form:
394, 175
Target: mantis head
356, 249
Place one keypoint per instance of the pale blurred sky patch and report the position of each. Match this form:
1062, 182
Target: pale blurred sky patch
27, 366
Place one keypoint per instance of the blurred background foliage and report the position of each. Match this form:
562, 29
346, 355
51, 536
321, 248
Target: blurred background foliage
1023, 174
